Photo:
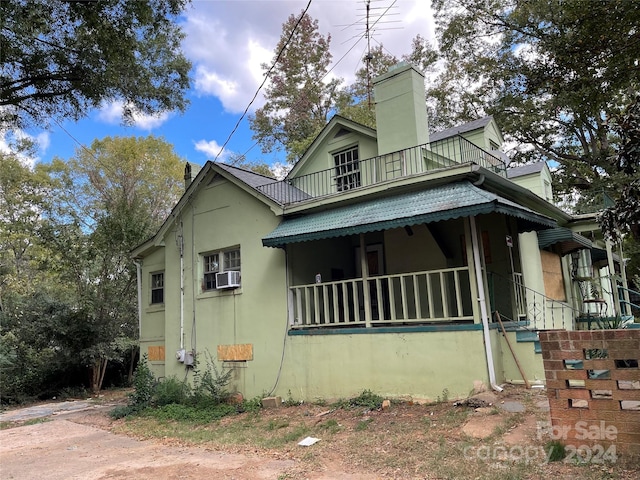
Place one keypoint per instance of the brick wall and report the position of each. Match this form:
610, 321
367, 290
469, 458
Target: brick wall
593, 384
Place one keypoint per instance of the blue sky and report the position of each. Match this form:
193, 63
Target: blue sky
227, 41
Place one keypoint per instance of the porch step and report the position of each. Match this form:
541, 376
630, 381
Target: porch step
526, 336
529, 336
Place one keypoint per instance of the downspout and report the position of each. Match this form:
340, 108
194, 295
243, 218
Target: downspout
139, 282
483, 305
180, 241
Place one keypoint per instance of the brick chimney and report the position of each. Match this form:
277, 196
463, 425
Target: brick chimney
401, 111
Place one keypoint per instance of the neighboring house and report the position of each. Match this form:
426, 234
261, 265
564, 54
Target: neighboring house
378, 263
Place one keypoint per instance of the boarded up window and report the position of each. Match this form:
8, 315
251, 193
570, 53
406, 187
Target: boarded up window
235, 353
155, 353
552, 274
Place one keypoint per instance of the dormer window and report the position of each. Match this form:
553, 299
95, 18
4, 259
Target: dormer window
347, 169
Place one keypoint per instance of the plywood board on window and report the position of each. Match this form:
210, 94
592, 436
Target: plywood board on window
235, 353
552, 275
155, 353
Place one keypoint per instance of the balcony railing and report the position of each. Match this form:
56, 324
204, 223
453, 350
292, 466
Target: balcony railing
410, 298
364, 173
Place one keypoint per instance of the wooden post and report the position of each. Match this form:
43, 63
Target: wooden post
364, 269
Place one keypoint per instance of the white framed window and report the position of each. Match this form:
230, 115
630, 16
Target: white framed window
347, 169
157, 288
212, 265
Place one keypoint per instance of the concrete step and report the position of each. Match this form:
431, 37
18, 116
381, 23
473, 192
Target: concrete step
526, 336
536, 347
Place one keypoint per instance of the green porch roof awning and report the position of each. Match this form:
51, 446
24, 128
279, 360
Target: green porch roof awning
566, 240
446, 202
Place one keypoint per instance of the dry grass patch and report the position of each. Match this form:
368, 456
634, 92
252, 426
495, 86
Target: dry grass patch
404, 442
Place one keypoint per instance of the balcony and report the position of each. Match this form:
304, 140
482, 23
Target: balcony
359, 174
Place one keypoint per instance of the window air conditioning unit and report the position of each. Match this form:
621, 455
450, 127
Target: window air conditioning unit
229, 279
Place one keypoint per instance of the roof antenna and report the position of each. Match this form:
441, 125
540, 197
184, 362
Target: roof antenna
368, 57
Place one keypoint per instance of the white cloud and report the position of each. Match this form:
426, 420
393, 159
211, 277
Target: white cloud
227, 41
149, 122
280, 170
212, 149
111, 113
41, 142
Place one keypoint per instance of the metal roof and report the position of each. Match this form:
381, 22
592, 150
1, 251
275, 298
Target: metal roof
279, 191
465, 127
566, 240
446, 202
521, 170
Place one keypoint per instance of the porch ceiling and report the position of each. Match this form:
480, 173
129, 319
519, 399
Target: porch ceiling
566, 240
445, 202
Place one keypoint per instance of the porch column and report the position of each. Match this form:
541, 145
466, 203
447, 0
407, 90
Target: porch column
483, 303
364, 268
287, 273
473, 282
613, 284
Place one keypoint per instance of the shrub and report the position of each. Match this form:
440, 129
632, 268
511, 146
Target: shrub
367, 399
209, 386
122, 411
171, 390
253, 405
143, 384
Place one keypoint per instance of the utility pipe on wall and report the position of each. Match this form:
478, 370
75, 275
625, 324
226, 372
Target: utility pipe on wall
483, 305
180, 241
139, 282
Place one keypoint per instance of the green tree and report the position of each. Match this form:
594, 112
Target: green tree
113, 196
68, 282
624, 217
299, 97
142, 174
62, 58
553, 73
24, 196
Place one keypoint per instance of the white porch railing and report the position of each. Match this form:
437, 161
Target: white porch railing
418, 297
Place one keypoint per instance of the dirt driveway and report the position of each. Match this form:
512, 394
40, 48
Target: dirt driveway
60, 448
78, 440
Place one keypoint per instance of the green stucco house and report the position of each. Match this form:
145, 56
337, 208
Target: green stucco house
382, 262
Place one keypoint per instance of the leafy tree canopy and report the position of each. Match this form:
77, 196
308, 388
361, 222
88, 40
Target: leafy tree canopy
61, 58
554, 73
131, 173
